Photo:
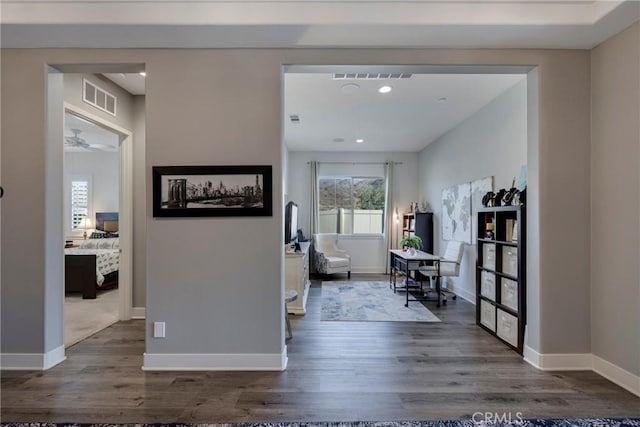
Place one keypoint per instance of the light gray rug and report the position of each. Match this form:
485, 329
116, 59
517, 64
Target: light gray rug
369, 301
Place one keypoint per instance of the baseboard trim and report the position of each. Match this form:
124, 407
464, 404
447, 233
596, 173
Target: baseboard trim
531, 356
616, 374
584, 362
463, 293
32, 361
558, 362
216, 362
138, 313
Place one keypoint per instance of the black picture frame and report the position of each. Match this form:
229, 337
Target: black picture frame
212, 191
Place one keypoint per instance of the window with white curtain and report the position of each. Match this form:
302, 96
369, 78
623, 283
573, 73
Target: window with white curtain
351, 204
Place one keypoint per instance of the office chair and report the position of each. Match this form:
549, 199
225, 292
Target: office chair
447, 266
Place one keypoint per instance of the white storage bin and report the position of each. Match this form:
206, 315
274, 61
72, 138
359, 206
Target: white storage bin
509, 293
488, 315
510, 261
488, 285
507, 327
489, 256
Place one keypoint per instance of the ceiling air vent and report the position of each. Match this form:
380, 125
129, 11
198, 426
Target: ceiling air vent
98, 97
295, 119
371, 76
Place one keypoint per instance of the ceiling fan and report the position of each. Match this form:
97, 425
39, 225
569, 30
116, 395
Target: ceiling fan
76, 141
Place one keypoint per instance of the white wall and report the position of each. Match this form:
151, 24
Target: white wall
492, 142
103, 168
368, 254
615, 201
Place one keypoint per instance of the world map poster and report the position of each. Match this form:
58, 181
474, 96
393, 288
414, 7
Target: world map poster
456, 213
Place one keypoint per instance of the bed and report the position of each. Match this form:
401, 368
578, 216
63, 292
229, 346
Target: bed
94, 264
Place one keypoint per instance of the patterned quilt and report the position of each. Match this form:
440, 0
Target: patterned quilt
107, 260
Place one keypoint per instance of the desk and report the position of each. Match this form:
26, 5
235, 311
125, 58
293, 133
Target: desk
402, 262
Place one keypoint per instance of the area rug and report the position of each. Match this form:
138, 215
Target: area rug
369, 301
550, 422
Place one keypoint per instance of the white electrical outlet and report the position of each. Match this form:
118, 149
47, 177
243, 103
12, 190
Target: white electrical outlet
158, 330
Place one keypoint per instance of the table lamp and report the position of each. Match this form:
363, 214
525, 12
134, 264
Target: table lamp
85, 223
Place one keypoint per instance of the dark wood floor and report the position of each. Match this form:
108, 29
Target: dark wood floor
337, 371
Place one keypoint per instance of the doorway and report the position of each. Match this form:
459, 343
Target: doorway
443, 125
91, 193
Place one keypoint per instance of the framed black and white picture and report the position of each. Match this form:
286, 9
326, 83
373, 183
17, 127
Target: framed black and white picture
190, 191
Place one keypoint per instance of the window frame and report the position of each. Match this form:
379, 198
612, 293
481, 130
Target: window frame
69, 220
352, 178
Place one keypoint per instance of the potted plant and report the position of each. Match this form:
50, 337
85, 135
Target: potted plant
412, 242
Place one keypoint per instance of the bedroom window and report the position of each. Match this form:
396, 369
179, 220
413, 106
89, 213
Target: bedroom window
351, 204
79, 201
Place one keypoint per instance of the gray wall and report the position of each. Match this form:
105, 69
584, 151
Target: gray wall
615, 202
218, 282
368, 254
52, 315
563, 150
139, 204
492, 142
532, 331
73, 86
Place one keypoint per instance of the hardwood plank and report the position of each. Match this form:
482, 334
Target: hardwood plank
337, 371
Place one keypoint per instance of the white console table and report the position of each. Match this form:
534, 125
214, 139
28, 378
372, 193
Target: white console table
296, 273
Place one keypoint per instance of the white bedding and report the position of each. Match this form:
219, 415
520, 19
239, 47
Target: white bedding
107, 254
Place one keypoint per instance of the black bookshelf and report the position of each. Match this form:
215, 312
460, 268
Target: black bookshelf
501, 274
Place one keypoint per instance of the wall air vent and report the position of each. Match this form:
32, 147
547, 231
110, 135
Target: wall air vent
371, 76
295, 119
99, 98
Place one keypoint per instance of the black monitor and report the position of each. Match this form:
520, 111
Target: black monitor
290, 222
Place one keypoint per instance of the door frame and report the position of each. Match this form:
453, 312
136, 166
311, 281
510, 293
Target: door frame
125, 206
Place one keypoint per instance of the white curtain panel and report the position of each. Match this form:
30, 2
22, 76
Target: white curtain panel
390, 221
314, 198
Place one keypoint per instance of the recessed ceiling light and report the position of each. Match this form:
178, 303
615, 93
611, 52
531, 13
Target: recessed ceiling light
143, 73
385, 89
443, 99
338, 139
349, 88
359, 140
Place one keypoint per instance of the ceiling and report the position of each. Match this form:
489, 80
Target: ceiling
313, 23
100, 139
134, 83
416, 112
325, 112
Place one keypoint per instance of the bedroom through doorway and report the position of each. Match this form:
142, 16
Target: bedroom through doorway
91, 226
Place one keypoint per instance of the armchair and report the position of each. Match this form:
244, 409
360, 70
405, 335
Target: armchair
328, 258
448, 265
